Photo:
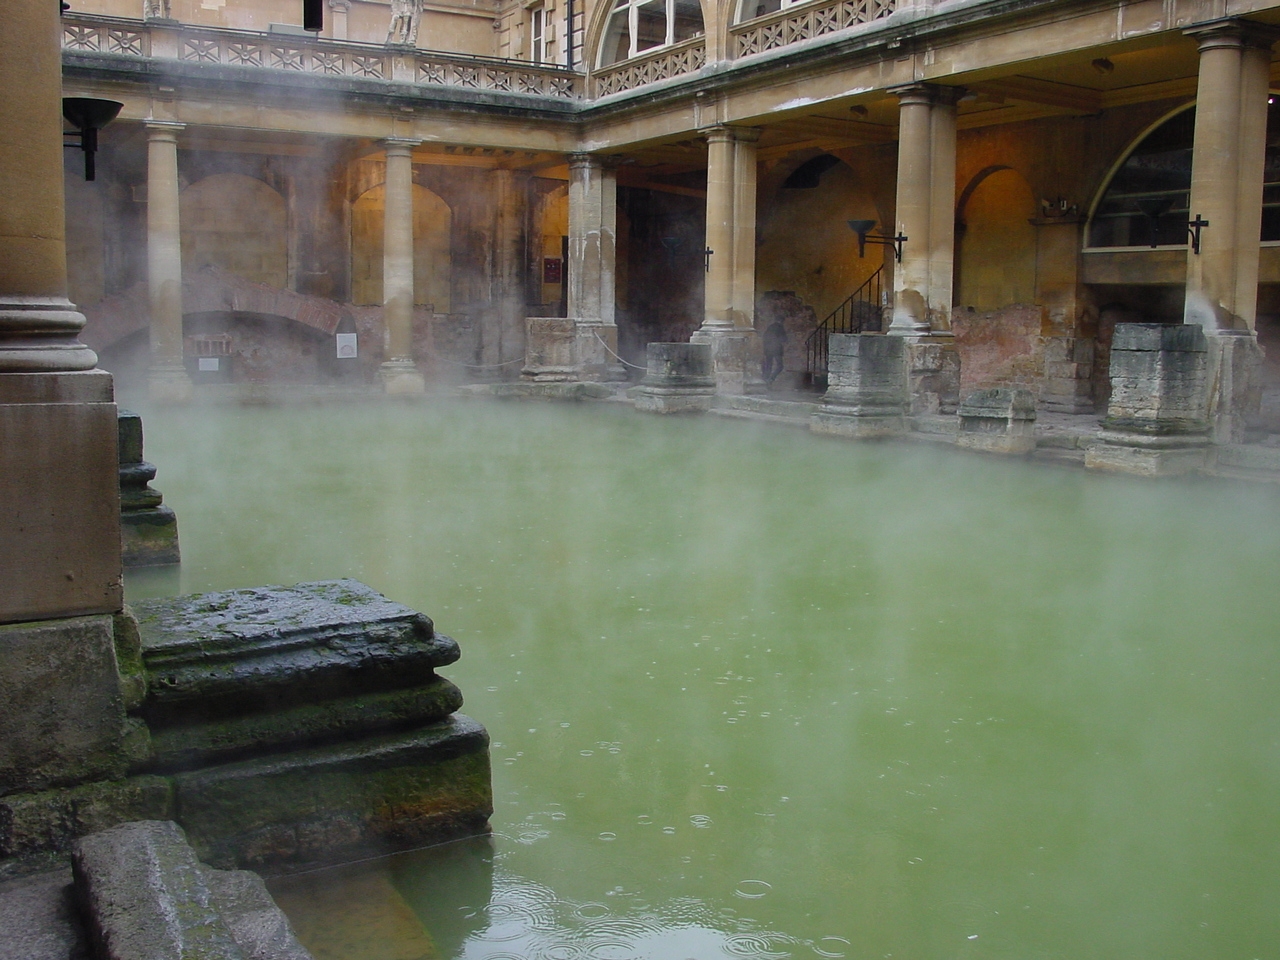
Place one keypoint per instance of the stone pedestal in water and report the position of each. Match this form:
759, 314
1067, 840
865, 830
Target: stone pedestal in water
280, 726
1000, 420
679, 378
1157, 421
148, 529
866, 393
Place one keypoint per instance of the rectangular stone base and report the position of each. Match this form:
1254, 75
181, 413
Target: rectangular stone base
650, 400
1146, 461
340, 802
834, 422
1011, 444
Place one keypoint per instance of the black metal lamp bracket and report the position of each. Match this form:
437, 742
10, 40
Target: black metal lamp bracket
1193, 232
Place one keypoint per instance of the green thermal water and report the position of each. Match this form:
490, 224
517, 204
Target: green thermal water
755, 693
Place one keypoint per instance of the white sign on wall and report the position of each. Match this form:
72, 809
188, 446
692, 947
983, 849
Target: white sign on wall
346, 346
207, 364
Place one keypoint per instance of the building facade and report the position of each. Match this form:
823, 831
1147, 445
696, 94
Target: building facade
440, 178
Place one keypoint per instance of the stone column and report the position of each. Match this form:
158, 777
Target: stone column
61, 717
1227, 175
926, 200
167, 379
504, 337
592, 296
398, 373
730, 292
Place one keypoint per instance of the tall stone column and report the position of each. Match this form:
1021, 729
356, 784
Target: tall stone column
730, 292
399, 374
61, 717
1227, 174
167, 378
592, 295
926, 201
922, 282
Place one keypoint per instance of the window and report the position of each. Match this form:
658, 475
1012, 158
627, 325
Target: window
636, 26
750, 9
537, 34
1146, 202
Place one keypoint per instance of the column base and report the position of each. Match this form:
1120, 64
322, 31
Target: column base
169, 383
1147, 456
730, 358
933, 373
596, 349
39, 335
400, 378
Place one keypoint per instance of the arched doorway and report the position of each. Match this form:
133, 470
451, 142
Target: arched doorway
432, 248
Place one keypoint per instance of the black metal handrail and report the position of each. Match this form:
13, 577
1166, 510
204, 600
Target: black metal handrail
859, 313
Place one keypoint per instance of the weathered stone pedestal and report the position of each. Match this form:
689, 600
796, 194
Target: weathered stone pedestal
1235, 377
933, 371
561, 349
284, 726
1157, 421
401, 378
866, 394
1000, 420
679, 379
1068, 375
734, 367
148, 529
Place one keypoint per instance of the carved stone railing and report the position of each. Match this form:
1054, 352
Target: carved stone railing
663, 64
804, 22
302, 54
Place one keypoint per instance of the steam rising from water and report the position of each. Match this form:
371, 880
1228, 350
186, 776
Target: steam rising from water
940, 705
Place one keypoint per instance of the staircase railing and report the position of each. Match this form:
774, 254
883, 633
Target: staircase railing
860, 313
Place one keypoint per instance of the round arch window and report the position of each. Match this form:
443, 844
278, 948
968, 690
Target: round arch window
638, 26
1146, 202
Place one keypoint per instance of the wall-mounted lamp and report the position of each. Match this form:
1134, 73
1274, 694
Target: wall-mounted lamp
706, 259
863, 229
313, 15
88, 115
1153, 208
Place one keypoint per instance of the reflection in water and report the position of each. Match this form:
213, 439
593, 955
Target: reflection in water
758, 693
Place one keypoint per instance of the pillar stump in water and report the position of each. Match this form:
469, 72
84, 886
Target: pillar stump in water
1000, 420
148, 529
280, 726
550, 350
1157, 421
679, 378
867, 395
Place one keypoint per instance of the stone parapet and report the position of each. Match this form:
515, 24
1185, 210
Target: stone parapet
999, 420
933, 369
679, 378
734, 358
867, 394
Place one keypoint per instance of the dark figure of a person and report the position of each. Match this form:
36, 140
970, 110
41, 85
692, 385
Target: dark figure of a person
775, 342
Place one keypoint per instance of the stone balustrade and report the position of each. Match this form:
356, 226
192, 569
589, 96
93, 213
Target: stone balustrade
805, 22
322, 57
663, 64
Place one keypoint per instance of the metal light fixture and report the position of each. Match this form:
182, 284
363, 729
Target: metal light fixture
863, 229
1153, 208
88, 115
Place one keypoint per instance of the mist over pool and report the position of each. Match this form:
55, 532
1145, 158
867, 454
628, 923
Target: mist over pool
757, 693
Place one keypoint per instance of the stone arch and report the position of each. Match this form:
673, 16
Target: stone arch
432, 247
995, 262
235, 223
804, 244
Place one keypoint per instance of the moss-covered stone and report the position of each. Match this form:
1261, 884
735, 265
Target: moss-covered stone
188, 745
335, 802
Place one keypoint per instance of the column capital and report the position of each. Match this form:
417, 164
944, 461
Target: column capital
1234, 33
929, 94
723, 133
581, 161
340, 5
399, 147
164, 130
